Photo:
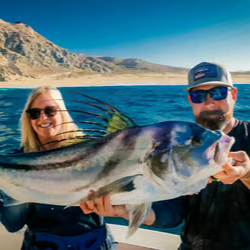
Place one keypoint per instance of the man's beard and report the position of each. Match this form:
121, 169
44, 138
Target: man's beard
213, 119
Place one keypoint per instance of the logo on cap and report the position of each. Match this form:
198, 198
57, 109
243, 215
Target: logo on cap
205, 71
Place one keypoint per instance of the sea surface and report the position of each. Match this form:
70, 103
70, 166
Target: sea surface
143, 104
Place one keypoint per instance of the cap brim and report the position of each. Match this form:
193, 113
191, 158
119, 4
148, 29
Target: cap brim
210, 83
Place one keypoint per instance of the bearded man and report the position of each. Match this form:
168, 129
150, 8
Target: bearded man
218, 217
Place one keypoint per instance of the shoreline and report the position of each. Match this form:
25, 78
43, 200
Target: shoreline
98, 80
104, 85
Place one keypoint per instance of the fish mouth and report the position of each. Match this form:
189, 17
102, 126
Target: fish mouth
220, 149
217, 150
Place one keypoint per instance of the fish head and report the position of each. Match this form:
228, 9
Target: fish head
188, 151
202, 147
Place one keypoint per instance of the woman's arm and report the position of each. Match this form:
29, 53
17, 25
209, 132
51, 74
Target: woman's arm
13, 217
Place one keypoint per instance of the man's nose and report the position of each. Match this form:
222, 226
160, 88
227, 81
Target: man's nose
209, 100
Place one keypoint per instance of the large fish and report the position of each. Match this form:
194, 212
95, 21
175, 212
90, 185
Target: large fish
136, 165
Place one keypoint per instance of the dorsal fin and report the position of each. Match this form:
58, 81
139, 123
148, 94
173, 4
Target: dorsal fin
113, 122
116, 120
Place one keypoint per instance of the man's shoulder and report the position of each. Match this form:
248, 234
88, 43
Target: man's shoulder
241, 122
242, 127
241, 134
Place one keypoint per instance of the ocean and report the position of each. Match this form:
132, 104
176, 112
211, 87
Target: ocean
144, 104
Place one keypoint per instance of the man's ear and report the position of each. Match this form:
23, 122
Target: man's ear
234, 93
189, 99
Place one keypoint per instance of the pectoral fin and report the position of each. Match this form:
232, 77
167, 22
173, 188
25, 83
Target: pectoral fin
125, 184
137, 215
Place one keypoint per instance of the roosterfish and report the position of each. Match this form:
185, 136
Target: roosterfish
136, 165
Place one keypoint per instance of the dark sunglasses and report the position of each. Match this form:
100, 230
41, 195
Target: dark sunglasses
217, 94
35, 113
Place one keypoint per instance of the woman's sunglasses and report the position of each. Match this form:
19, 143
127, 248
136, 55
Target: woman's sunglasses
217, 94
35, 113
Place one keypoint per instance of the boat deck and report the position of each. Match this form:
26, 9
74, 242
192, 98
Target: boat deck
142, 240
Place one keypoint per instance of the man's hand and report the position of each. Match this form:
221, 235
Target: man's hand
102, 206
240, 170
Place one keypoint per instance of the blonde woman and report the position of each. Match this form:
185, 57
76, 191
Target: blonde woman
49, 226
45, 116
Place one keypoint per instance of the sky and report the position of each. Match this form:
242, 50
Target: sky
171, 32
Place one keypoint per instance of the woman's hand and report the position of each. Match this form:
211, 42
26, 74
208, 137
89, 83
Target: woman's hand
102, 206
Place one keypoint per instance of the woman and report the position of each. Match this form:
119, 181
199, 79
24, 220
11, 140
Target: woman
43, 125
39, 128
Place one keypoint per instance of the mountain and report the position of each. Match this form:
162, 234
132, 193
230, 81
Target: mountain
26, 54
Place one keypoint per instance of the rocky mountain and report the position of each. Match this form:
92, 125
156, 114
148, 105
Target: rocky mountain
26, 54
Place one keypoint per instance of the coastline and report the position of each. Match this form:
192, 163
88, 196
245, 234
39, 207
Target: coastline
110, 80
97, 80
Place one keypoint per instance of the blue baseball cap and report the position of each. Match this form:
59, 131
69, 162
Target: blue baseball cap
207, 73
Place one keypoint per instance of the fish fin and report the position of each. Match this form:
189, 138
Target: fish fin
70, 205
119, 121
9, 201
137, 215
116, 120
125, 184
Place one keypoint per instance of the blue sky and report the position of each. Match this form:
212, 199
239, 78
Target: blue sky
171, 32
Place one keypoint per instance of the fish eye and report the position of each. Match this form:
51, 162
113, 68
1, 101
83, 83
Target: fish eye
196, 141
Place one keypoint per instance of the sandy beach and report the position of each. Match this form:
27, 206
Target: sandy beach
108, 79
97, 80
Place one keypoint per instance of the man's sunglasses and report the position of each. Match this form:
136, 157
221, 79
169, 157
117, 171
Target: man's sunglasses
35, 113
217, 94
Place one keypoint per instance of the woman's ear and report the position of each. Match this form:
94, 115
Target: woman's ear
189, 99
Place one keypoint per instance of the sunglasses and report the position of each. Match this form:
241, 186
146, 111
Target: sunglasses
217, 94
35, 113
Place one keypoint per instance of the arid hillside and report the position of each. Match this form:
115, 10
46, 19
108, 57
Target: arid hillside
26, 54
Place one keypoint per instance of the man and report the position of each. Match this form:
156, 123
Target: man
218, 217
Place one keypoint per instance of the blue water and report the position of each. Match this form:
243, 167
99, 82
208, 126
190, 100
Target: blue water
143, 104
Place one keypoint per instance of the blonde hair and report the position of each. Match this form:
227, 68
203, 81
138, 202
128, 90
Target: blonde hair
29, 141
